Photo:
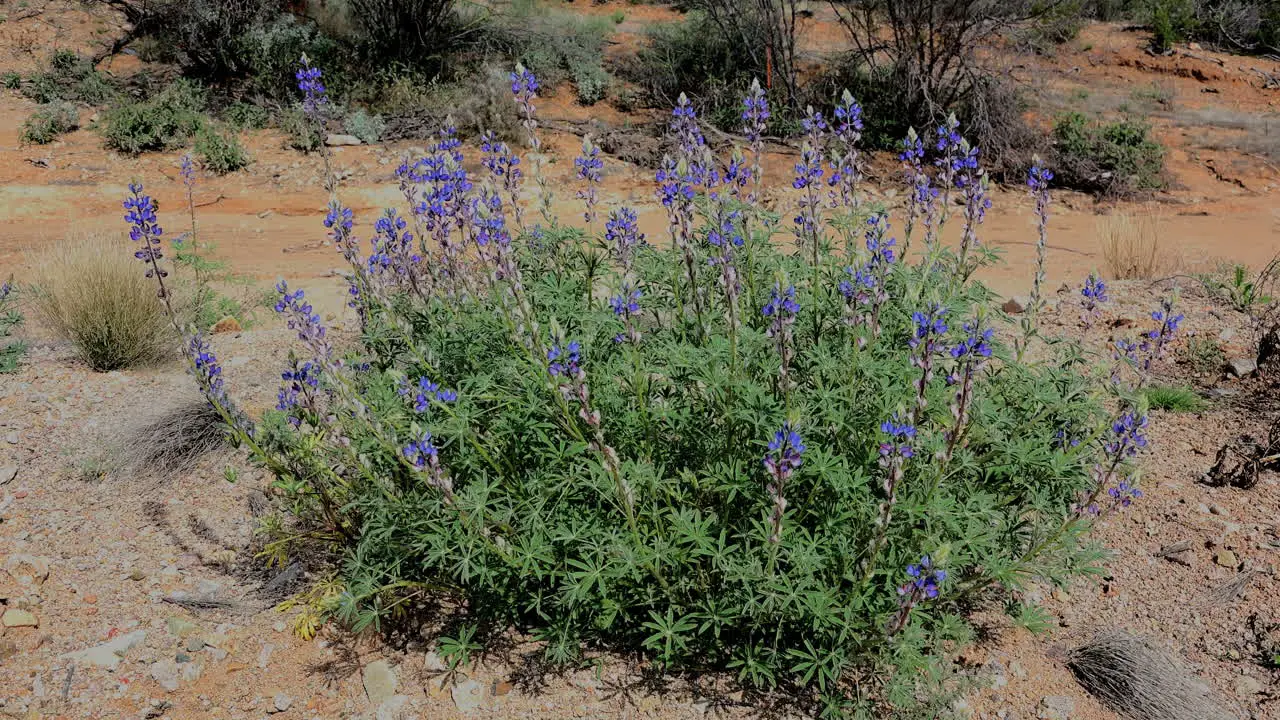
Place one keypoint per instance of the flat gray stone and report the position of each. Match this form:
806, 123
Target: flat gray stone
1242, 367
165, 673
7, 473
109, 654
336, 140
1017, 304
380, 681
1057, 707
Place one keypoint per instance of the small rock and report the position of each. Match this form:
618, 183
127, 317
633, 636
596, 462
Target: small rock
1215, 510
1242, 367
467, 696
278, 626
195, 644
1056, 707
27, 569
282, 702
137, 575
182, 658
1226, 559
264, 655
336, 140
191, 672
227, 324
108, 655
13, 617
265, 214
1016, 305
181, 627
12, 438
503, 687
7, 473
380, 681
1227, 335
393, 708
165, 673
1246, 686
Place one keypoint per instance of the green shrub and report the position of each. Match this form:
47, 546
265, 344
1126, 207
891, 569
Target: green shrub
300, 132
368, 128
165, 121
617, 17
555, 45
11, 80
71, 78
90, 291
220, 152
247, 116
693, 56
591, 83
1118, 157
271, 51
1173, 399
1204, 355
50, 121
1172, 21
11, 349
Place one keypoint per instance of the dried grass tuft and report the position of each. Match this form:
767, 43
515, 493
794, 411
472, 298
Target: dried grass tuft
176, 439
90, 290
1131, 246
1142, 682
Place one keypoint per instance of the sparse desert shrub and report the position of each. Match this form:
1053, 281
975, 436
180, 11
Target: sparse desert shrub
88, 290
368, 128
271, 50
746, 459
1173, 398
300, 133
165, 121
591, 83
1171, 21
404, 30
207, 36
555, 45
1137, 680
11, 80
49, 122
1115, 158
1204, 355
1130, 245
69, 78
175, 439
11, 349
1243, 290
693, 56
247, 116
220, 151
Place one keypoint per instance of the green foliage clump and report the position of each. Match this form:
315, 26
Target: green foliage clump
1117, 157
69, 78
1203, 354
167, 120
247, 116
1172, 21
11, 349
556, 46
300, 132
591, 83
11, 80
1173, 398
49, 122
220, 151
367, 127
1244, 291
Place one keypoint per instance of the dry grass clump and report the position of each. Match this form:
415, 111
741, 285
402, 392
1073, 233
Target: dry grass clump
1131, 245
1142, 682
175, 439
90, 290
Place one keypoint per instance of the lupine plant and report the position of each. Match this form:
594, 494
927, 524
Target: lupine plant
663, 472
10, 350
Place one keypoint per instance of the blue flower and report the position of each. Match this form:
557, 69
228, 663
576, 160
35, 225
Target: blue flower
1124, 493
627, 303
930, 322
975, 344
785, 451
421, 452
925, 579
1126, 436
523, 83
900, 435
566, 361
1039, 177
314, 98
782, 303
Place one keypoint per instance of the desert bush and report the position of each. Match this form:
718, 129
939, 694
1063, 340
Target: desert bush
11, 80
300, 132
207, 36
71, 78
220, 151
403, 30
479, 103
1204, 355
693, 56
11, 349
1115, 158
88, 290
247, 116
167, 120
797, 466
1243, 290
555, 45
1130, 245
271, 50
1171, 21
368, 128
50, 121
